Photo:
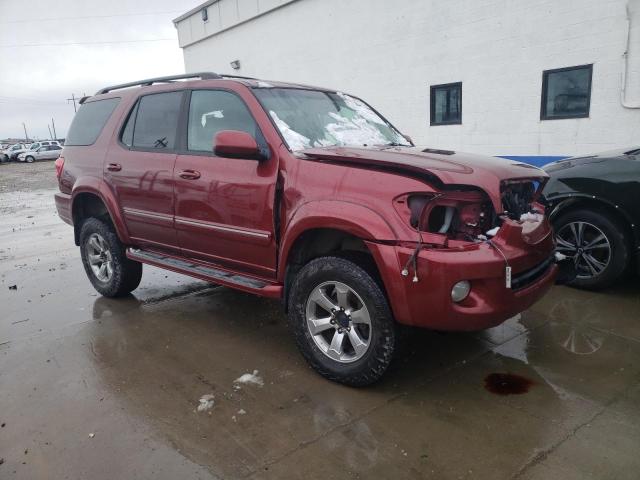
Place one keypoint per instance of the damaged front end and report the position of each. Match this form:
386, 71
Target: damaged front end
463, 217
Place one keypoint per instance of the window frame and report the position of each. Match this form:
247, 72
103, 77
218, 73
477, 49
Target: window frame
133, 107
184, 124
432, 104
544, 93
101, 131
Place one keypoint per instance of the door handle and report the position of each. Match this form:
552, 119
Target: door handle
114, 167
189, 174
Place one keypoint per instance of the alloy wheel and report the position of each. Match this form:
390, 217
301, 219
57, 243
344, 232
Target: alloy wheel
338, 321
99, 257
587, 245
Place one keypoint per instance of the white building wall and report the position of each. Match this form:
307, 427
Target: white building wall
389, 53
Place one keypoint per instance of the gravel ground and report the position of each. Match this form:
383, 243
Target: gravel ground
18, 176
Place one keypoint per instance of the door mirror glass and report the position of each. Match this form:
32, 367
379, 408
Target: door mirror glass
235, 144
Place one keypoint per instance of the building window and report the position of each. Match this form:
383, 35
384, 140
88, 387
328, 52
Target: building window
446, 104
566, 92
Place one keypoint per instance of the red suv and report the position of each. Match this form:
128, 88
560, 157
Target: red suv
307, 195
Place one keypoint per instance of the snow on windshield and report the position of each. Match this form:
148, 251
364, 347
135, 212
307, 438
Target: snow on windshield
295, 140
310, 118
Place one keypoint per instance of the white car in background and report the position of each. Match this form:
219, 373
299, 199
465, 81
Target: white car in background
43, 143
45, 152
12, 151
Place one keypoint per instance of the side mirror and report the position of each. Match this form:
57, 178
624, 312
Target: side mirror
235, 144
408, 139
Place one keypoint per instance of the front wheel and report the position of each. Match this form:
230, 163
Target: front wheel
341, 321
29, 159
596, 244
111, 273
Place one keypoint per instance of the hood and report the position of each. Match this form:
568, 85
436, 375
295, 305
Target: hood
567, 163
444, 167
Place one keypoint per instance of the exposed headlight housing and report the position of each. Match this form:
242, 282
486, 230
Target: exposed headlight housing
460, 291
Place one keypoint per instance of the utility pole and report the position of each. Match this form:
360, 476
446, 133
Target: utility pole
73, 99
53, 124
26, 135
50, 135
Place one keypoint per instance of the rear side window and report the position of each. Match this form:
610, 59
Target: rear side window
153, 122
89, 121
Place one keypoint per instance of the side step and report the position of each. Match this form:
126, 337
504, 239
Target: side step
203, 272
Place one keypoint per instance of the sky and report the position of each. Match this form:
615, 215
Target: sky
50, 50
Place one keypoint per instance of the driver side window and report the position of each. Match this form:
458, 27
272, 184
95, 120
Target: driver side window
211, 111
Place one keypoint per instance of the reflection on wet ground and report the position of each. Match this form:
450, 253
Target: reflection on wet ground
98, 388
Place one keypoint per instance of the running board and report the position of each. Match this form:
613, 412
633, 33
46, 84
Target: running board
203, 272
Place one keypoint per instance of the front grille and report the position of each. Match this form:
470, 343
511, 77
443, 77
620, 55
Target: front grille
526, 278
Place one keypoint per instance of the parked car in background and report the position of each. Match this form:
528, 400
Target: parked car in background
43, 143
45, 152
595, 210
307, 195
12, 152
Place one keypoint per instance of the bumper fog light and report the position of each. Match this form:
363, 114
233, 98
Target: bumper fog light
460, 291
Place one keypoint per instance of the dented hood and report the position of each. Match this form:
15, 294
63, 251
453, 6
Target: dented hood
444, 167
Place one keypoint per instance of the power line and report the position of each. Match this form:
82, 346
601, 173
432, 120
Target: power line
85, 17
86, 43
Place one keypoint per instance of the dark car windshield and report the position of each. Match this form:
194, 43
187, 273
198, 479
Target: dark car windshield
312, 118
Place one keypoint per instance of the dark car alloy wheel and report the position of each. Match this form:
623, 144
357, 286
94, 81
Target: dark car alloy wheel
587, 245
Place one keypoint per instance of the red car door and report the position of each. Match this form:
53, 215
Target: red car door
224, 206
140, 170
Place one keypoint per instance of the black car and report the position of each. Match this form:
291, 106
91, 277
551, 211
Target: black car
594, 202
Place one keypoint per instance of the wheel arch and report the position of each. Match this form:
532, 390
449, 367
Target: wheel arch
576, 202
90, 201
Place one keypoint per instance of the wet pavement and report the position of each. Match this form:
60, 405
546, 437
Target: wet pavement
93, 388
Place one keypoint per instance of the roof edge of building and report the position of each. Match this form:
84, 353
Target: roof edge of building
194, 10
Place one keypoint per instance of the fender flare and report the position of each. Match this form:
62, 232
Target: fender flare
353, 218
560, 203
98, 187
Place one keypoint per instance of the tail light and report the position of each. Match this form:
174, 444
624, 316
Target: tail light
59, 166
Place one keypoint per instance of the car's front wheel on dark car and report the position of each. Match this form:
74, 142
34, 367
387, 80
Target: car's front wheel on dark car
105, 261
596, 243
341, 321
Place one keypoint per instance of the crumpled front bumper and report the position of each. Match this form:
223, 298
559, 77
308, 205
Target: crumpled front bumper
427, 303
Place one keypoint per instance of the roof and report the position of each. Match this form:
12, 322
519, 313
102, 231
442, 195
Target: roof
191, 78
194, 10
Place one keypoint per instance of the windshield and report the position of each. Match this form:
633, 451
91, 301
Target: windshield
312, 118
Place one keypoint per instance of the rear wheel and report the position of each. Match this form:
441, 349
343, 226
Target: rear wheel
105, 262
596, 244
341, 321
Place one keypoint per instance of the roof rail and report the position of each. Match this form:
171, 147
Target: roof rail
151, 81
224, 75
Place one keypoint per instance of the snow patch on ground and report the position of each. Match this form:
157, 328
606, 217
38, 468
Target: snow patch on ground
206, 403
252, 378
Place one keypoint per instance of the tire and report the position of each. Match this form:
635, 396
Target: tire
608, 268
29, 159
354, 367
120, 275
